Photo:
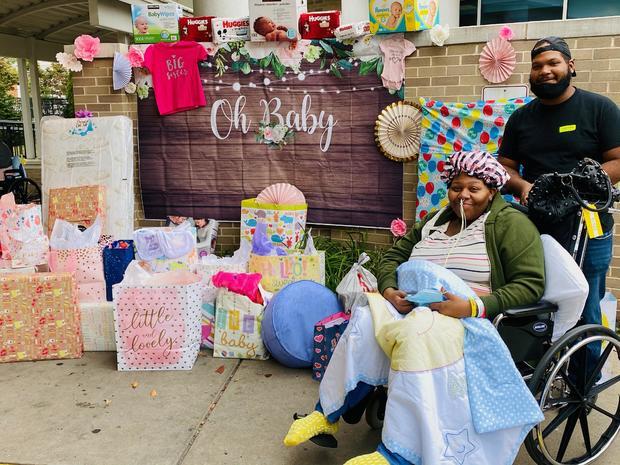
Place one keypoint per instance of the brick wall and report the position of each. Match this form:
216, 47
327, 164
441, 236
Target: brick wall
451, 73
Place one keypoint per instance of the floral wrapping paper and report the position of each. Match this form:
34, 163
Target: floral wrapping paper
452, 127
39, 317
78, 205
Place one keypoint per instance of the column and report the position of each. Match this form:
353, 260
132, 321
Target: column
26, 114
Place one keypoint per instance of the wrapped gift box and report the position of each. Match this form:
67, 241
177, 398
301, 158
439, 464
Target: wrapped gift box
39, 317
78, 205
98, 327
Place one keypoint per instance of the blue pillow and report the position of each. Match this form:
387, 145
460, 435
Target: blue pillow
422, 276
288, 323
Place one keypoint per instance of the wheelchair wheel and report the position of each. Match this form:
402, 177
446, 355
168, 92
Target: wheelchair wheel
375, 410
25, 191
582, 409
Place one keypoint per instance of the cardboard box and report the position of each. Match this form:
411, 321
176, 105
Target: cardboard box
389, 16
197, 29
39, 317
319, 25
155, 23
275, 20
230, 29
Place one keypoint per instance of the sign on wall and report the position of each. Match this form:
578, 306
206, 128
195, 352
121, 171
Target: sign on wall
203, 162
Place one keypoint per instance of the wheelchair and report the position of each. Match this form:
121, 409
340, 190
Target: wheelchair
14, 179
568, 397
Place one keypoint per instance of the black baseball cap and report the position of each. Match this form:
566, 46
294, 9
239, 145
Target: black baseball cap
552, 43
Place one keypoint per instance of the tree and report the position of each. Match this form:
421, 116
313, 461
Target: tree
53, 81
8, 80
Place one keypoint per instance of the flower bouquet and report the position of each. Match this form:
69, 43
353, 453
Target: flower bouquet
275, 135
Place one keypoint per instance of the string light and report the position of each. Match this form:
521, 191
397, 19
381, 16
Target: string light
268, 84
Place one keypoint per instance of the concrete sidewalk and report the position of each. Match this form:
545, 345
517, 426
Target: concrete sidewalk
223, 412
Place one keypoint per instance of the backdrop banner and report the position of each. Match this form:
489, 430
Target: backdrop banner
204, 162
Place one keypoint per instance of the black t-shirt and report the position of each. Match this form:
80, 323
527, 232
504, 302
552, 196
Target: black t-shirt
554, 138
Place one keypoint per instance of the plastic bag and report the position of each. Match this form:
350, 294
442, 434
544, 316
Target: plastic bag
355, 283
66, 235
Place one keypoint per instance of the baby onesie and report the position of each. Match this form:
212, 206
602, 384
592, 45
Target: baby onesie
395, 49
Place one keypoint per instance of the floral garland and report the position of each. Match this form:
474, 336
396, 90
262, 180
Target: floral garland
274, 135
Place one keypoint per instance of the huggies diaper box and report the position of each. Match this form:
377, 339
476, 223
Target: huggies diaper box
155, 23
387, 16
230, 29
197, 29
275, 20
319, 24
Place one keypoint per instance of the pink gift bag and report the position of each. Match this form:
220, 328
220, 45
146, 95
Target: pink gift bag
157, 319
87, 266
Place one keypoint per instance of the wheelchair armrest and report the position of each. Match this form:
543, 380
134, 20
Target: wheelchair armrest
531, 310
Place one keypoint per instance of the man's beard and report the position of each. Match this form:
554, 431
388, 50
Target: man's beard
550, 91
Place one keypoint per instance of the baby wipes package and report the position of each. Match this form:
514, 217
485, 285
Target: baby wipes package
155, 23
388, 16
230, 29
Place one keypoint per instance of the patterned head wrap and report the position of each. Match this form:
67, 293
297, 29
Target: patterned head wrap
481, 165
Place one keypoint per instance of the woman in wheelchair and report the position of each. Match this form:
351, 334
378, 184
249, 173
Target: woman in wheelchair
484, 257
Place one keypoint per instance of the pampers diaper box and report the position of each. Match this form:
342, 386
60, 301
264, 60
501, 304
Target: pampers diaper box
388, 16
155, 23
276, 20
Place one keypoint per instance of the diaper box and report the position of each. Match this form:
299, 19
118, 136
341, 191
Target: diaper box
319, 25
230, 29
155, 23
197, 29
388, 16
275, 20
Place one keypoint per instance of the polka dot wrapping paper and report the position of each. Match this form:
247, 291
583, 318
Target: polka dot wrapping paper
452, 127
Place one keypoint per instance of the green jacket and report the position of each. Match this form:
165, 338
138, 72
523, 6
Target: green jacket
515, 252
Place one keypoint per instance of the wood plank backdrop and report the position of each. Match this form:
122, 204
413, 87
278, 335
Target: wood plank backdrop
203, 162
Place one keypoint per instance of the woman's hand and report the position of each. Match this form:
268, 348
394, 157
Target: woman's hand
453, 306
397, 299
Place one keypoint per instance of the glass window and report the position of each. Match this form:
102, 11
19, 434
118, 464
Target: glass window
515, 11
468, 13
592, 8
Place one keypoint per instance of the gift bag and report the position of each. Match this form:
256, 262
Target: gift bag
116, 258
21, 233
327, 332
157, 319
209, 297
87, 266
285, 223
78, 205
358, 280
278, 271
167, 249
237, 327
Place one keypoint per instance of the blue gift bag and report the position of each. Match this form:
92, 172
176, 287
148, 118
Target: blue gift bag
115, 262
327, 332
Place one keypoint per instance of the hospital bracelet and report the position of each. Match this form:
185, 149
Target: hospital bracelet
477, 308
473, 307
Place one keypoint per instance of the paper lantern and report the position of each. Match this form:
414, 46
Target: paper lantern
497, 60
398, 131
281, 194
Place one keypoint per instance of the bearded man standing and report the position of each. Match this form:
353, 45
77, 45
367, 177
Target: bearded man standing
552, 134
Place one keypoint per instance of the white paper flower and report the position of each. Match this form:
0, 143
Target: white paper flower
69, 61
130, 88
235, 56
278, 132
439, 34
367, 48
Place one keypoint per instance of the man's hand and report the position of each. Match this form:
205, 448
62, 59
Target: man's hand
397, 299
525, 192
453, 306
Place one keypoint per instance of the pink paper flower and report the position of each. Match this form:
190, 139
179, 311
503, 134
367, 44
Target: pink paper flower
398, 227
506, 33
83, 114
135, 57
86, 47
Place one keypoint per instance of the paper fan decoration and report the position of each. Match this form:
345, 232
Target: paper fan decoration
497, 60
281, 194
398, 130
121, 71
